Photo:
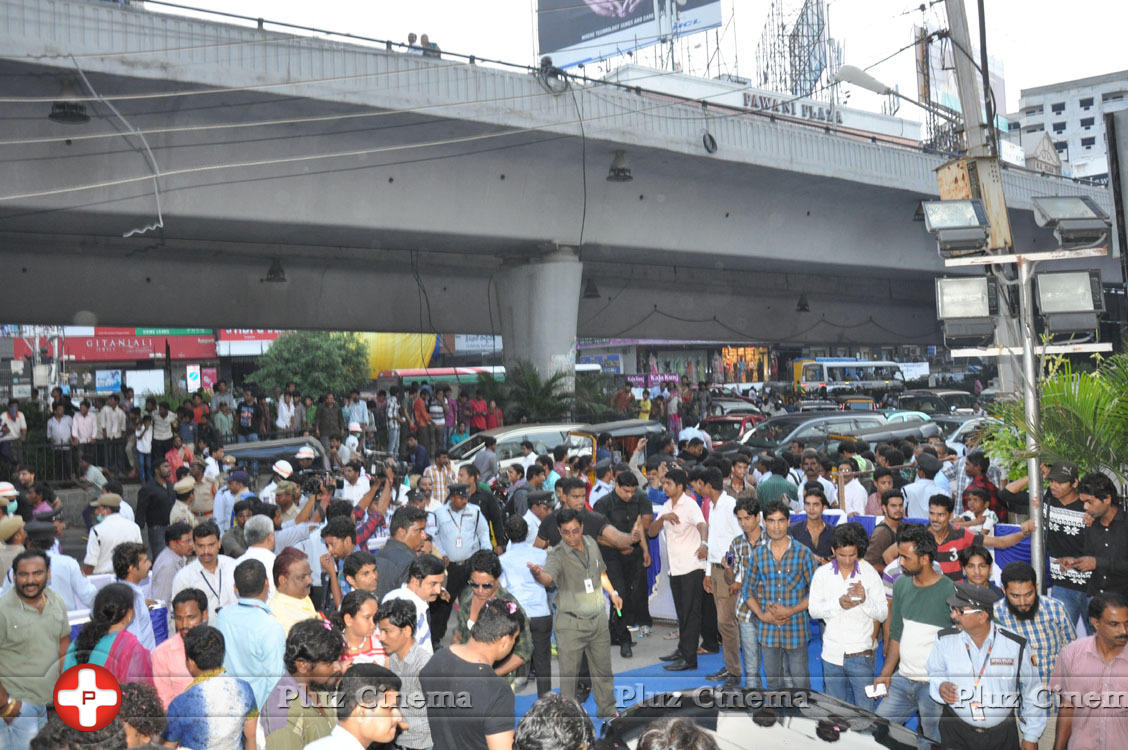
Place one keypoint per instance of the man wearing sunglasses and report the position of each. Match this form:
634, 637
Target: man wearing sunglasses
984, 678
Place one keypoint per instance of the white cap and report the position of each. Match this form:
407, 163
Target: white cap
354, 426
305, 452
8, 490
282, 468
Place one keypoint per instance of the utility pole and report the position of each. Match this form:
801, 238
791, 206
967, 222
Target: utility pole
979, 176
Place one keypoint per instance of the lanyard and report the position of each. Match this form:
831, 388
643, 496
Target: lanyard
986, 659
206, 581
461, 516
586, 559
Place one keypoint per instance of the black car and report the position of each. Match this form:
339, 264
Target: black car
739, 718
263, 453
812, 429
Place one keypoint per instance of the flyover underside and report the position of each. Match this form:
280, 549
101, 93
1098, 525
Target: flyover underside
209, 284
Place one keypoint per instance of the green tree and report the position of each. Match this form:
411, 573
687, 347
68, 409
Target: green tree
1084, 419
593, 397
318, 362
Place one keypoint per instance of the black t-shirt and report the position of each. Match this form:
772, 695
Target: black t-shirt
465, 702
247, 418
622, 515
593, 524
821, 547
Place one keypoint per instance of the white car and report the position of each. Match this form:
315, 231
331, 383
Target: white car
544, 438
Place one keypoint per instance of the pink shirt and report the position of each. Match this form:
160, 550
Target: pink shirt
170, 672
1083, 676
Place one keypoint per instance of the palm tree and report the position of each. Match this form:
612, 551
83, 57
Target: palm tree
534, 397
1084, 419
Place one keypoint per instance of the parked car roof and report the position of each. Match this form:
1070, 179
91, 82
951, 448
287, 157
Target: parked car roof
622, 427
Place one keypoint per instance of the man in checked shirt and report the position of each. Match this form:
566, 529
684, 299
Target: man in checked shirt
738, 569
783, 569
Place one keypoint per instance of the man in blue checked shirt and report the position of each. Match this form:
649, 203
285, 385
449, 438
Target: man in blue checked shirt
981, 674
1042, 620
783, 569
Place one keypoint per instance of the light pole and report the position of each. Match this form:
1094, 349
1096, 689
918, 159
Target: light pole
1082, 228
856, 76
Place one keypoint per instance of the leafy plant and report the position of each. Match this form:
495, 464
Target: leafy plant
592, 400
318, 362
1084, 419
534, 397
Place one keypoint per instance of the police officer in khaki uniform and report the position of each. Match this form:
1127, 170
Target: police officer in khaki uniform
576, 568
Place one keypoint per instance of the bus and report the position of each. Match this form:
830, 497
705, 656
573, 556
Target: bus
826, 376
457, 378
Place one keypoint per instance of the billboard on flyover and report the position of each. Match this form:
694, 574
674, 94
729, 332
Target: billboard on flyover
574, 32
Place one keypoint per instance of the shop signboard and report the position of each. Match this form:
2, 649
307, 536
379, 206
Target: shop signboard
610, 364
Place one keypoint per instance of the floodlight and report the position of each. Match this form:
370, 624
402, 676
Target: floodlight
966, 307
1070, 301
961, 227
1076, 220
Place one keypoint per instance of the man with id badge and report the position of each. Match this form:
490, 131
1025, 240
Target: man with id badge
984, 678
460, 531
576, 568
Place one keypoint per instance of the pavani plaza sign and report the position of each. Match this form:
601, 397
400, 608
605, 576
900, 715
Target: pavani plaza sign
806, 110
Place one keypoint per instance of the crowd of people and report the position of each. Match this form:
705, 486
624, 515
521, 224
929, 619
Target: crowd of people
119, 437
302, 611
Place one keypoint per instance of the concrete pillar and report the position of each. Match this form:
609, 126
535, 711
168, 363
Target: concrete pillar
539, 302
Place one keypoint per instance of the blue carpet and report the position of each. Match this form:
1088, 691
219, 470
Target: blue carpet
634, 685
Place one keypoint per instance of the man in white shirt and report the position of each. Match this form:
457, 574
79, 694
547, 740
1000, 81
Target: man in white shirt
210, 572
60, 434
604, 476
112, 421
848, 595
854, 497
723, 528
110, 529
258, 533
919, 491
528, 455
686, 545
84, 428
424, 585
356, 483
540, 505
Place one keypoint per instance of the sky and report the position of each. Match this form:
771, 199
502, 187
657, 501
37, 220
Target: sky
1038, 41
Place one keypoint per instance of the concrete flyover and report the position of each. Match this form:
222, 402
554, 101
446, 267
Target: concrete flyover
408, 193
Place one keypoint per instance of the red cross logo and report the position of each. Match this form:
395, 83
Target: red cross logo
87, 697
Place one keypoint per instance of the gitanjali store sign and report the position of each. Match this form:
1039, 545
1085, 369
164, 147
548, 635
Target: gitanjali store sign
115, 347
123, 344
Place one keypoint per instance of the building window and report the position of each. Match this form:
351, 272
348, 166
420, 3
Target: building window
1034, 110
1086, 122
1059, 127
1112, 96
1035, 128
1086, 103
1060, 145
1058, 108
1088, 143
